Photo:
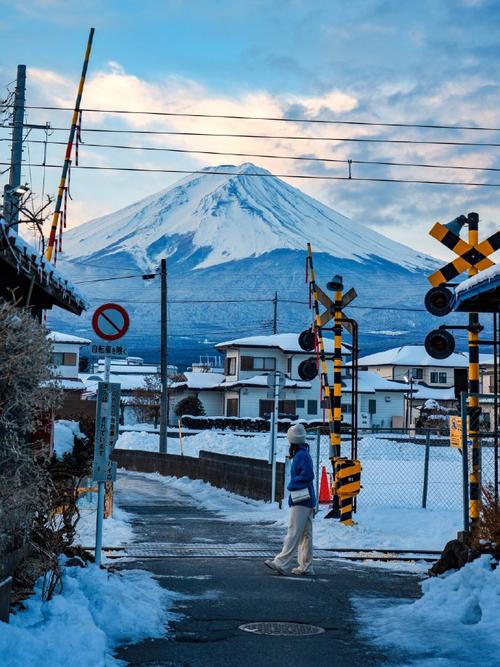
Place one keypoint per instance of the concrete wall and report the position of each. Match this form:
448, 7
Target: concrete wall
247, 477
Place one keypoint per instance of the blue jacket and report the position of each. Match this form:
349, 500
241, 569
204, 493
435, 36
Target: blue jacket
302, 476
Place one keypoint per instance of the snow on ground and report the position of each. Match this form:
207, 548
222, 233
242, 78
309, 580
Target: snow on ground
81, 626
375, 527
455, 622
116, 529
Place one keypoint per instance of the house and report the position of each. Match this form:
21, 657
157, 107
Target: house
249, 359
401, 363
66, 359
242, 391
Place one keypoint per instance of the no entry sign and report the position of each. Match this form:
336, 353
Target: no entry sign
110, 321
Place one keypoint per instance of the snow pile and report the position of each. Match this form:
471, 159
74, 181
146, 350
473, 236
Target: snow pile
95, 612
65, 432
463, 603
116, 529
251, 446
388, 529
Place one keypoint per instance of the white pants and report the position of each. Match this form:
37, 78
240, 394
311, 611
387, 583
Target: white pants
298, 539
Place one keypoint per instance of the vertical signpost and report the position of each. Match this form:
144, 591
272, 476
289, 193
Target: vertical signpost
109, 322
276, 384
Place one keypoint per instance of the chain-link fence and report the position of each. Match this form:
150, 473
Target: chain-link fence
408, 469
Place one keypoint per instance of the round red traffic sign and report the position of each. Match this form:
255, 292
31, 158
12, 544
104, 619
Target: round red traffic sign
110, 321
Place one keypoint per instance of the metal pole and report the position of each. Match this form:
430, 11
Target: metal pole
275, 313
411, 400
318, 448
69, 149
465, 461
101, 486
274, 435
426, 469
474, 410
11, 211
164, 360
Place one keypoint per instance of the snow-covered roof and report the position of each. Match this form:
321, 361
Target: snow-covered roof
59, 337
480, 292
261, 381
412, 355
128, 382
28, 261
369, 382
71, 384
422, 392
130, 369
286, 342
483, 279
198, 380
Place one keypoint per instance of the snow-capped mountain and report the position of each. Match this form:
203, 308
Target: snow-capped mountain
233, 239
221, 218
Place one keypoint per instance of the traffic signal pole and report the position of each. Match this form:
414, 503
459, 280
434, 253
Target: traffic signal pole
473, 401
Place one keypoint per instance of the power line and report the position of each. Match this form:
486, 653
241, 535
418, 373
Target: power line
287, 137
265, 175
318, 121
265, 156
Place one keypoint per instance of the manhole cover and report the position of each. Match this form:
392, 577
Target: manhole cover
280, 629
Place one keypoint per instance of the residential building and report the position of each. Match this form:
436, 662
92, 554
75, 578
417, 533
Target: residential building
401, 363
66, 359
243, 390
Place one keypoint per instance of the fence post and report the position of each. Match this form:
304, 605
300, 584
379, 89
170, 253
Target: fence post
426, 469
465, 461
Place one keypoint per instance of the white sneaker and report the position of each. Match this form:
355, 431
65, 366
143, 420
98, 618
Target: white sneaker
276, 568
300, 572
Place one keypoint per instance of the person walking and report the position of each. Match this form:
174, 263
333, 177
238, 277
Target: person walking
302, 502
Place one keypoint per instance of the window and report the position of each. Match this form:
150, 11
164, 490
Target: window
439, 377
312, 407
417, 373
64, 358
372, 406
232, 407
258, 363
230, 366
300, 403
285, 408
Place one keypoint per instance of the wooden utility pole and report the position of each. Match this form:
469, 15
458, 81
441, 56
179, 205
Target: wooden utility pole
164, 360
11, 198
275, 313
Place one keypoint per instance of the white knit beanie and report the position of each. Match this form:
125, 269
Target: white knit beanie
296, 434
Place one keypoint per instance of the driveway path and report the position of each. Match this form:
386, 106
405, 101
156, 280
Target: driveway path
217, 595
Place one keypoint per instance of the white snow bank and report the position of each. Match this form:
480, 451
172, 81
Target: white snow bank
64, 436
455, 622
116, 530
251, 446
95, 612
375, 528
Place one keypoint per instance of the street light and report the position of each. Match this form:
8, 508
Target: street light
163, 354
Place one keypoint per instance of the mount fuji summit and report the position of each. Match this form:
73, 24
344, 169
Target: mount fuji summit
233, 236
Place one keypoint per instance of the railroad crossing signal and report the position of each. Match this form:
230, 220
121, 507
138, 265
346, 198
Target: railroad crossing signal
469, 256
329, 313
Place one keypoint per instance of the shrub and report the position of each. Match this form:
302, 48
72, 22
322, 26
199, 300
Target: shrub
191, 405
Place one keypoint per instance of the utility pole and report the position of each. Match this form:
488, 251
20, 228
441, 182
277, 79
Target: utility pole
10, 210
164, 360
274, 433
275, 313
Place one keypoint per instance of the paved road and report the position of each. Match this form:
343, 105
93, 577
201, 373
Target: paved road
219, 594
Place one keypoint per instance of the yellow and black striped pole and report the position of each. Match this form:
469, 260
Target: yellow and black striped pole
67, 159
327, 393
473, 403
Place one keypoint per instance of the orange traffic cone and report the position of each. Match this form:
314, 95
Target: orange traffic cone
325, 495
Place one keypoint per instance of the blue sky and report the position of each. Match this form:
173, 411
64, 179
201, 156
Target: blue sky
433, 61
